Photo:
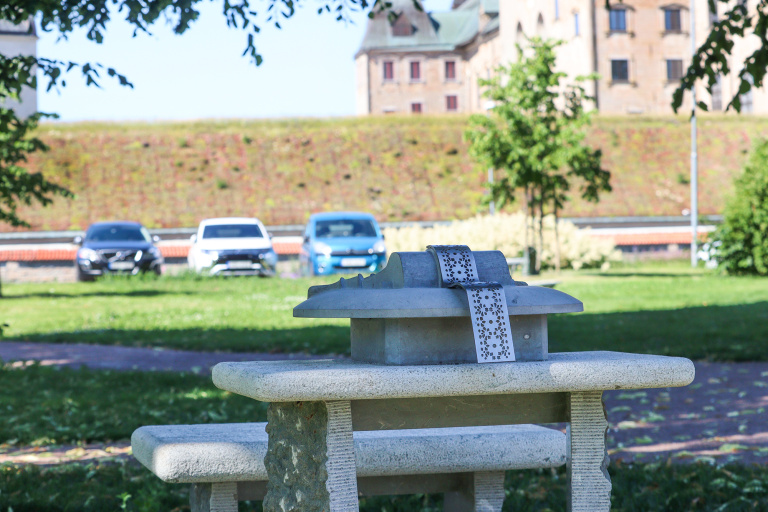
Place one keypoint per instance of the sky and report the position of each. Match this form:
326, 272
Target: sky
308, 69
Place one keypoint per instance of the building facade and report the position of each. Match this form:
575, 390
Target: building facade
16, 40
423, 62
638, 49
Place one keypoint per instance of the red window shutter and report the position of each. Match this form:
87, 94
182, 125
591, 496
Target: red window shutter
450, 70
415, 71
451, 103
389, 71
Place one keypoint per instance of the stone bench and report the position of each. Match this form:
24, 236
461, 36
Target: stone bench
225, 462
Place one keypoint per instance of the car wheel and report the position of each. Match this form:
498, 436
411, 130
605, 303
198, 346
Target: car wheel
82, 277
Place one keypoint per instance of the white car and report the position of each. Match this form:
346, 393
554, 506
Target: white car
232, 246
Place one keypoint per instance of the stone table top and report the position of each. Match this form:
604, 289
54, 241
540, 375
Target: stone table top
325, 380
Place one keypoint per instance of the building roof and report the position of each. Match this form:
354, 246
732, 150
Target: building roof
436, 31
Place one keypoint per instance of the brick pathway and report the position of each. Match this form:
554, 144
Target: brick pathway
720, 417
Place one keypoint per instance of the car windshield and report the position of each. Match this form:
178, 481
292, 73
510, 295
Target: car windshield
344, 228
232, 231
117, 233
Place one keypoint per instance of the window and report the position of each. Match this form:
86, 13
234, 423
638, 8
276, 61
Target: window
747, 98
620, 70
416, 108
450, 70
389, 70
557, 9
576, 28
415, 70
674, 70
672, 20
451, 103
717, 94
402, 27
617, 20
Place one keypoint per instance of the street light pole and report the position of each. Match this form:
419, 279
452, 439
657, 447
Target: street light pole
694, 147
492, 203
489, 104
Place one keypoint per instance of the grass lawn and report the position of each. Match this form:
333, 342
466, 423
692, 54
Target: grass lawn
636, 488
662, 308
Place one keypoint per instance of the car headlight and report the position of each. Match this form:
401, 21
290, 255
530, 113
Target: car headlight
88, 254
380, 247
212, 255
270, 257
323, 249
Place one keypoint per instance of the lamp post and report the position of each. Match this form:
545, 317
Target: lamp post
489, 104
694, 153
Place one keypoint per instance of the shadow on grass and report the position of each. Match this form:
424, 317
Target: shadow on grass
641, 274
717, 333
100, 293
323, 339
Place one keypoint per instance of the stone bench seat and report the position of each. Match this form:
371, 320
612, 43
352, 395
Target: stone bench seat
225, 462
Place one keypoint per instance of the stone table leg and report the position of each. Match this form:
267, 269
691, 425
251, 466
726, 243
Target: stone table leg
310, 458
217, 497
485, 495
590, 484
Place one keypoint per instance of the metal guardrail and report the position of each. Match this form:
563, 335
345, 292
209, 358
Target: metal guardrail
43, 237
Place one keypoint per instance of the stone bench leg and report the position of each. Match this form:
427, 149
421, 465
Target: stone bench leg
218, 497
590, 484
485, 495
310, 458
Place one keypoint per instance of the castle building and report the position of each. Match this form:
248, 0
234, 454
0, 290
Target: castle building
16, 40
423, 62
639, 49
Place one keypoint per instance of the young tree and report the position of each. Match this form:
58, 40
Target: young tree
535, 133
743, 235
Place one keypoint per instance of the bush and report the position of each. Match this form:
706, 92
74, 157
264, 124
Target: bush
506, 233
743, 235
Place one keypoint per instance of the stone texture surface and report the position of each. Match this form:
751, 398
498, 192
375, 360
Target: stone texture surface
343, 380
217, 497
489, 491
340, 465
236, 451
590, 484
296, 458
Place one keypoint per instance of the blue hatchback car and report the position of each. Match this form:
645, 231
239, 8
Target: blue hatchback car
342, 242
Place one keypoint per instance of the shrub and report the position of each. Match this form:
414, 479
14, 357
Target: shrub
506, 233
743, 235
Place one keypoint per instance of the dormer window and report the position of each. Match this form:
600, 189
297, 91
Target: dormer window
402, 27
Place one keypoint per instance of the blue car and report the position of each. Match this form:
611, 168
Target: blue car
342, 242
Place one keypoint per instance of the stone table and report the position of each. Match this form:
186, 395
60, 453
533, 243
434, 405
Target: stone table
315, 406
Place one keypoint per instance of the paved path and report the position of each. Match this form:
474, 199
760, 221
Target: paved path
722, 416
104, 357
